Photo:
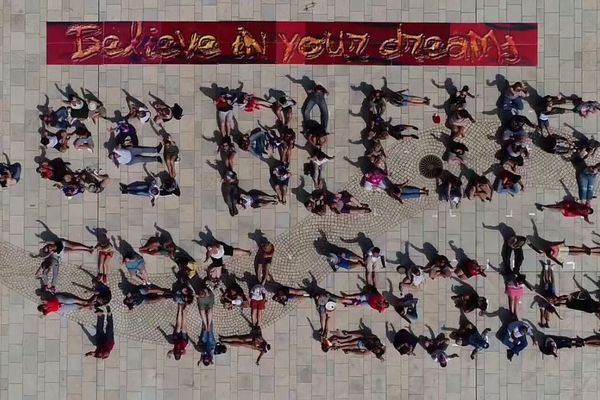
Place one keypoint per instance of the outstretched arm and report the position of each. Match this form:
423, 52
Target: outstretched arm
259, 357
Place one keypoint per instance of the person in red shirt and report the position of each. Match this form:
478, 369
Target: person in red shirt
64, 302
105, 338
468, 269
370, 296
180, 336
569, 208
249, 103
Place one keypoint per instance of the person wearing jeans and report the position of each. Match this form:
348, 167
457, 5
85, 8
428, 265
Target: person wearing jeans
316, 97
587, 180
516, 338
136, 155
208, 344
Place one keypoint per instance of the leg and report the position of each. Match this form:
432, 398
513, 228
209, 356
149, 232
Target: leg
229, 122
65, 298
143, 159
314, 174
140, 150
143, 274
135, 278
583, 179
74, 246
204, 317
511, 305
324, 112
310, 104
55, 267
100, 333
178, 319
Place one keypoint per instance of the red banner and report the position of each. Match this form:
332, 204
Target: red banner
353, 43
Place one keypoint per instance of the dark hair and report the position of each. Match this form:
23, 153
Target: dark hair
45, 140
523, 328
482, 303
465, 89
177, 111
177, 354
206, 359
220, 348
41, 308
128, 301
376, 250
280, 297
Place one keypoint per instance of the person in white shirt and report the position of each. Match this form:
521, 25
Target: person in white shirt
258, 300
136, 154
375, 262
317, 164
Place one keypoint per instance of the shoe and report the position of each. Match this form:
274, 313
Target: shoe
159, 159
509, 355
159, 148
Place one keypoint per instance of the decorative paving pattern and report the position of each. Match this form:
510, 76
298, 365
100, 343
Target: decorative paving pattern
296, 258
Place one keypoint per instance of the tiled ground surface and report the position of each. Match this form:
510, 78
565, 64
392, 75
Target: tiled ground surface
43, 358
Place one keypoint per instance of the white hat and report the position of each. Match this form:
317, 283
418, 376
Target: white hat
330, 305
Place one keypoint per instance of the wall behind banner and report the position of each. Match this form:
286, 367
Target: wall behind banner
272, 42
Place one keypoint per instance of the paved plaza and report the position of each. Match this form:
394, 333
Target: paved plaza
43, 358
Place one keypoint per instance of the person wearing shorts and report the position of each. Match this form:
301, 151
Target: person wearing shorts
136, 267
371, 298
218, 250
224, 104
469, 269
514, 289
375, 262
145, 295
347, 261
258, 301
